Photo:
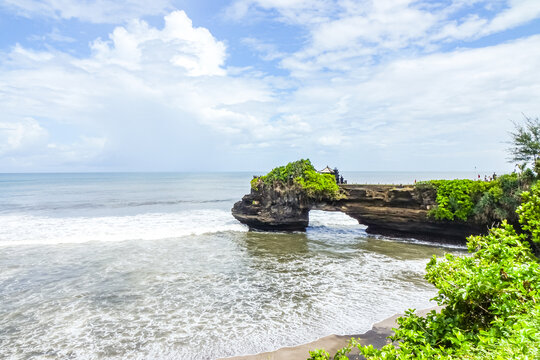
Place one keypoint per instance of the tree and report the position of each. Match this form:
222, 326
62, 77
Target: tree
525, 141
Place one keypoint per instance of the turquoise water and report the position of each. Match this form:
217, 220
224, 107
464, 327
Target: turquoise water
153, 266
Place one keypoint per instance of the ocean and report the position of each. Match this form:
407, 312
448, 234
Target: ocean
154, 266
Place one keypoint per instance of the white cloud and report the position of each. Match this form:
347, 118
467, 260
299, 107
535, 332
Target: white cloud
27, 55
519, 12
143, 97
55, 35
103, 11
268, 52
474, 26
291, 11
417, 111
393, 24
84, 149
18, 136
179, 43
469, 28
369, 88
334, 139
346, 34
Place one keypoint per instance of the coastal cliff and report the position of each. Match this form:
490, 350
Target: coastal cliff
384, 209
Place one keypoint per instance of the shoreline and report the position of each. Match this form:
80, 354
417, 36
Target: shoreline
377, 337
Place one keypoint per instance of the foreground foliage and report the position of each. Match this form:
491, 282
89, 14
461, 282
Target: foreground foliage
483, 202
491, 300
302, 174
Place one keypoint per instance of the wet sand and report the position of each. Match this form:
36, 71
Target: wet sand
377, 337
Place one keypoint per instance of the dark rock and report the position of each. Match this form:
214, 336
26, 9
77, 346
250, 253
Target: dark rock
274, 208
385, 209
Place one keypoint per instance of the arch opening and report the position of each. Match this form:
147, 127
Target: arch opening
323, 221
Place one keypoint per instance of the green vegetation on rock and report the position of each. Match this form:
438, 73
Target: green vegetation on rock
481, 201
457, 198
490, 300
301, 173
494, 201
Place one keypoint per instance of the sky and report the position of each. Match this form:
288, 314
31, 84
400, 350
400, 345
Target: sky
246, 85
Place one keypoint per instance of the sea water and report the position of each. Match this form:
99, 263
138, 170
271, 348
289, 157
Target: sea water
154, 266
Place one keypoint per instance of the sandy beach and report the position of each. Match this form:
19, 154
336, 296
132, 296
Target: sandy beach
377, 337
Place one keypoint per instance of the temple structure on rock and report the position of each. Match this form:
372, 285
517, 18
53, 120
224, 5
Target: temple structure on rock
327, 170
335, 172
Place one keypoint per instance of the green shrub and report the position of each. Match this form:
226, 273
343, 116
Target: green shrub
490, 299
424, 186
484, 202
457, 198
302, 174
536, 167
319, 354
529, 217
528, 176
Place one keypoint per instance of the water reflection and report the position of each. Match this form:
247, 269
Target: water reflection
404, 249
283, 246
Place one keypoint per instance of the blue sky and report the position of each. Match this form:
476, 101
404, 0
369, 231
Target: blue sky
250, 84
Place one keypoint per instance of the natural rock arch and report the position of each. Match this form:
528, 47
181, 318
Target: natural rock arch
385, 209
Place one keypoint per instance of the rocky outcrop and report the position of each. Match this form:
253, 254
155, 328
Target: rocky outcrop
401, 211
385, 209
274, 208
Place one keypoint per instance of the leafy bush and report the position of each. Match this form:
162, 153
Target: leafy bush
501, 201
319, 354
302, 174
485, 202
491, 299
456, 198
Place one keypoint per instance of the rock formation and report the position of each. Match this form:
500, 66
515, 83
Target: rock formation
274, 208
385, 209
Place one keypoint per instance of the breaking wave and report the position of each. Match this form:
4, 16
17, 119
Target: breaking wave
26, 229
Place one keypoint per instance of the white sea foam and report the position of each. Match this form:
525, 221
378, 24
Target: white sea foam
217, 291
202, 298
25, 229
22, 229
332, 219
